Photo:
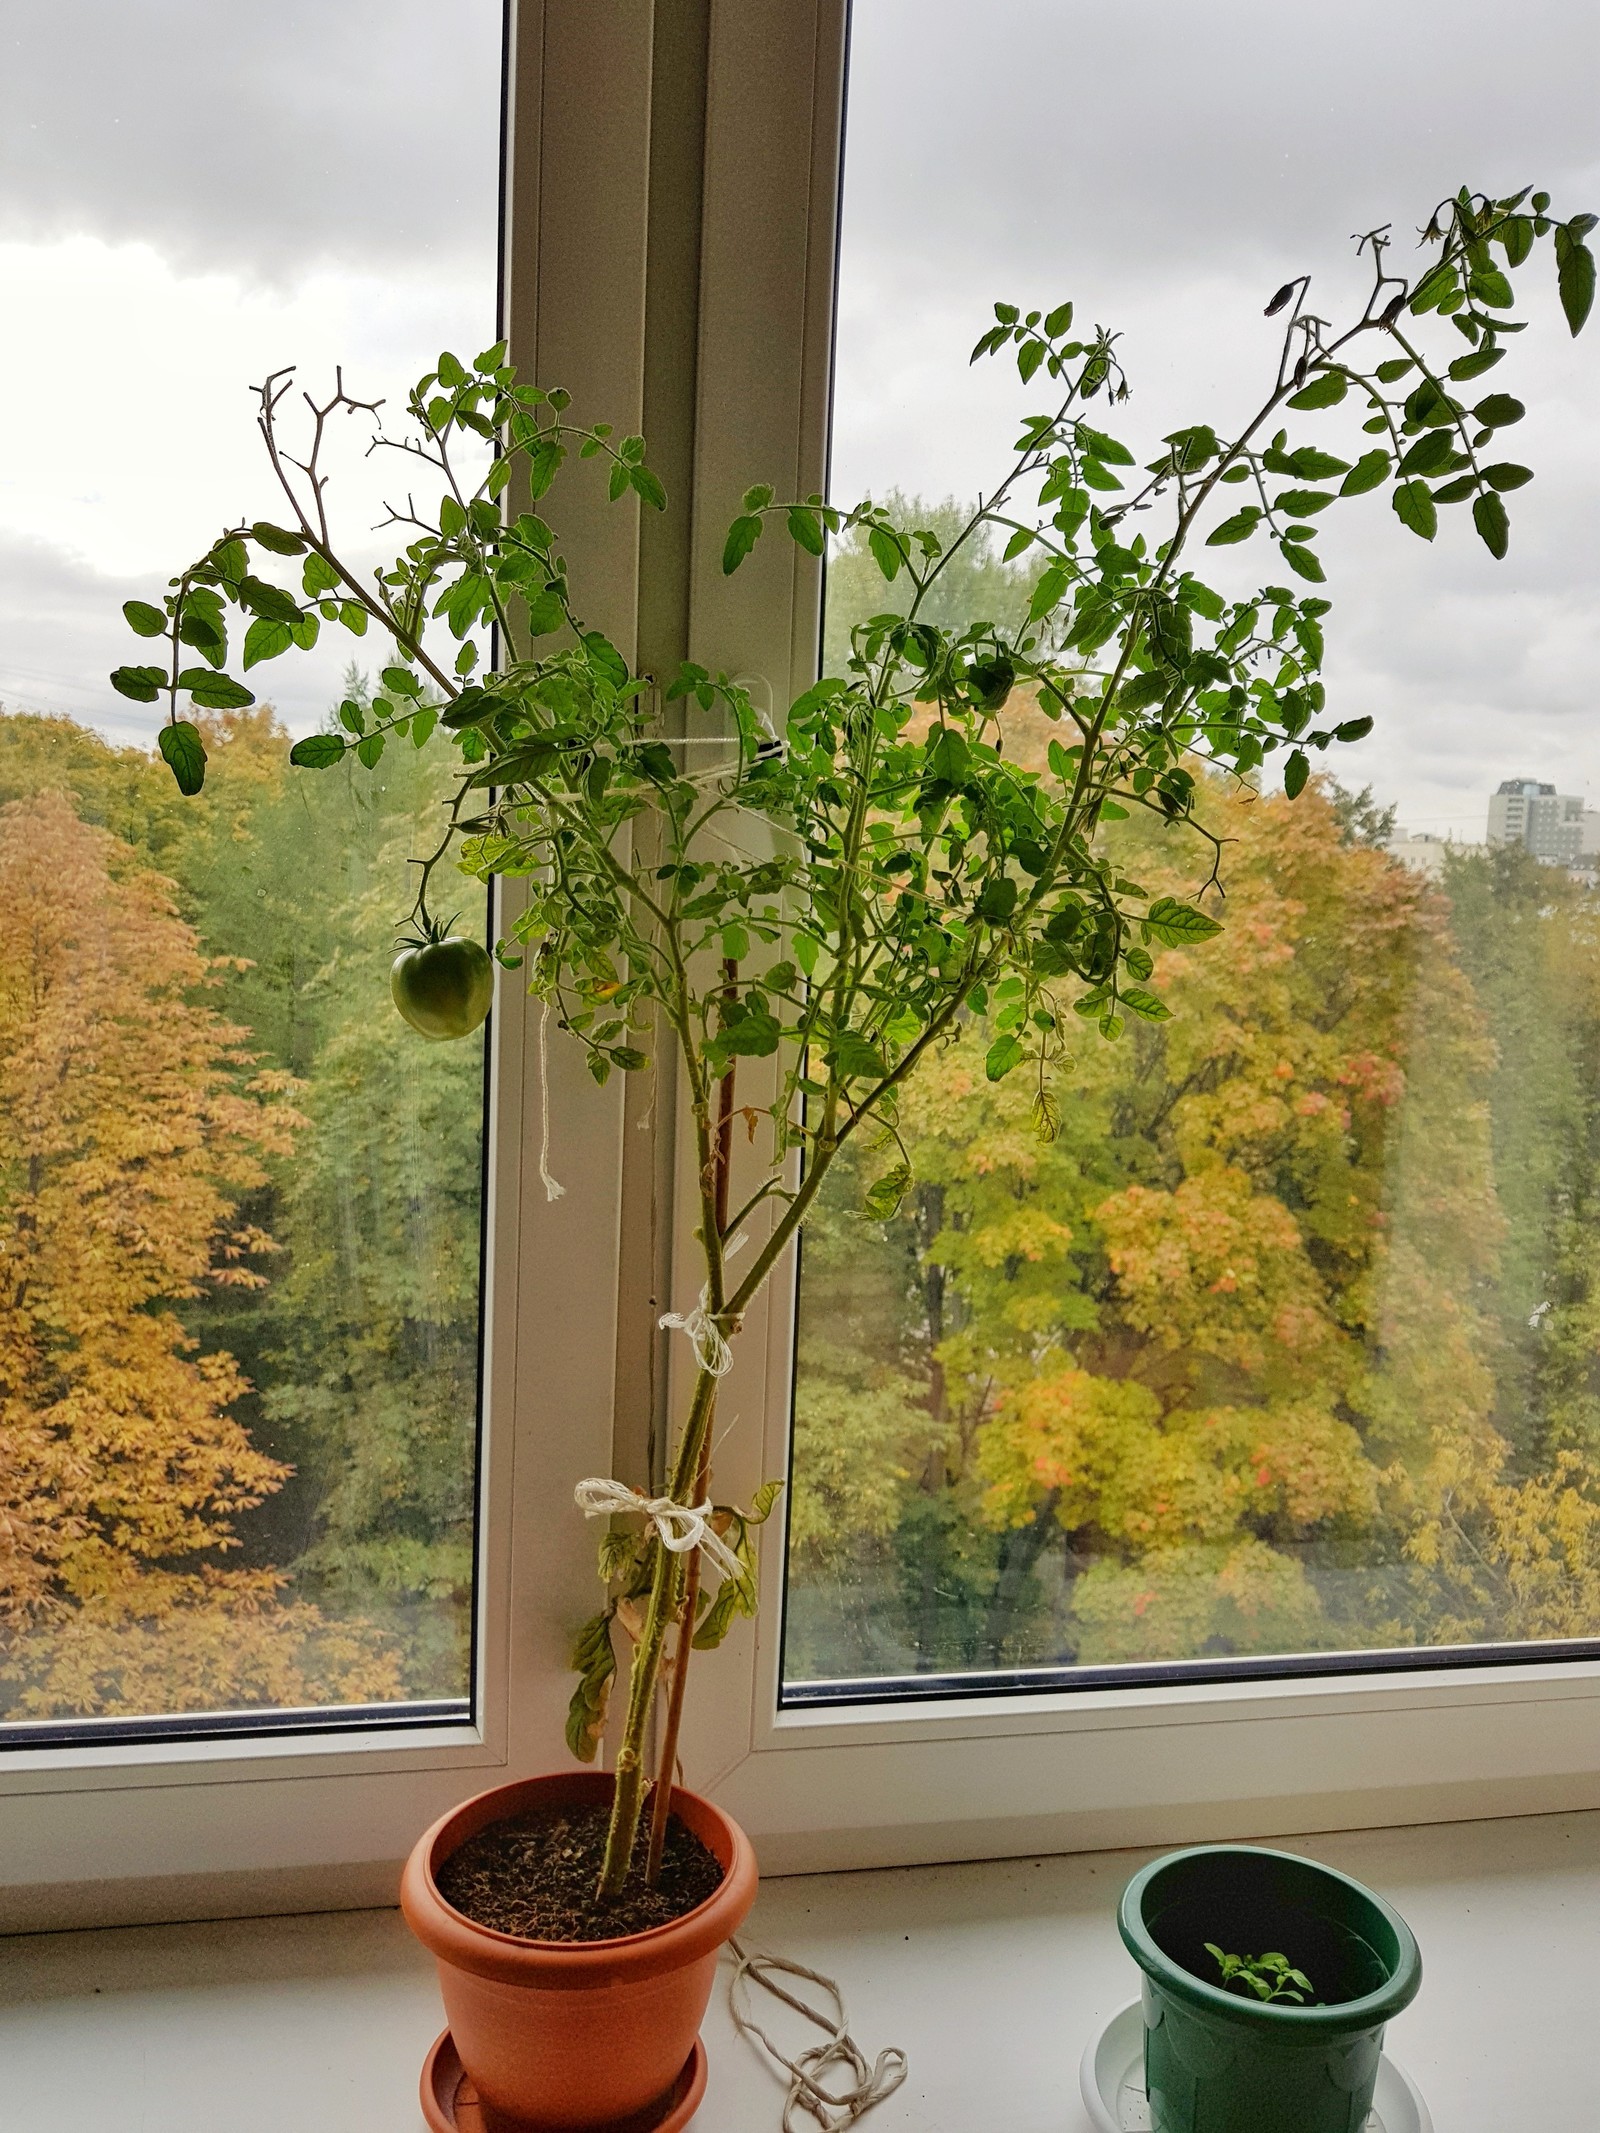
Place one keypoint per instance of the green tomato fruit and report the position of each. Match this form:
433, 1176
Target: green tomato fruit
989, 681
443, 987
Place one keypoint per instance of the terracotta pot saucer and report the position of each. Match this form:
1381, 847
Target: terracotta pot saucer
450, 2102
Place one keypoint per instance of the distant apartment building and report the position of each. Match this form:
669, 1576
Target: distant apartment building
1421, 851
1554, 826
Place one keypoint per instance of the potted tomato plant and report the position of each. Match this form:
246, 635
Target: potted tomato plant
803, 912
1286, 2039
575, 2032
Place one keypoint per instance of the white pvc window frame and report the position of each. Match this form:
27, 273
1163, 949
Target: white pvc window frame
988, 1775
210, 1827
673, 188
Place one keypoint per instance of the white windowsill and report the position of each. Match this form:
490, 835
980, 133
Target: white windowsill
991, 1975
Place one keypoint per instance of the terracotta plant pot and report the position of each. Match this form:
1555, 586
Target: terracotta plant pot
574, 2034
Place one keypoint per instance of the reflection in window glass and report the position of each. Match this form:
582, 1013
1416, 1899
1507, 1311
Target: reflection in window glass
239, 1199
1287, 1342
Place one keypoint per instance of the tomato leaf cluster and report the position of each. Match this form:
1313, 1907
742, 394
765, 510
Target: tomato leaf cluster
816, 902
831, 894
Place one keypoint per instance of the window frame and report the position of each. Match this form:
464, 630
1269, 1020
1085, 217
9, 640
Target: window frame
982, 1775
166, 1828
672, 199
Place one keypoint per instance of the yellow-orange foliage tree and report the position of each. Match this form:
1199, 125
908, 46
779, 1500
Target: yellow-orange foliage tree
129, 1121
1228, 1338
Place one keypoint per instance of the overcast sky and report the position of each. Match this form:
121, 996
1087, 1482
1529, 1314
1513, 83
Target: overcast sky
192, 195
1166, 164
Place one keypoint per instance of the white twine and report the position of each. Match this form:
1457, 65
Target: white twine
681, 1526
552, 1191
711, 1351
833, 2109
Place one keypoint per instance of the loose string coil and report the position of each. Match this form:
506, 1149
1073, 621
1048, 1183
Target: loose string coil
681, 1526
833, 2109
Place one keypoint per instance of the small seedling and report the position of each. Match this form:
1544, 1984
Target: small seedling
1269, 1977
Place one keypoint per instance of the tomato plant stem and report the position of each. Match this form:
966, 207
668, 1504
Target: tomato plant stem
627, 1803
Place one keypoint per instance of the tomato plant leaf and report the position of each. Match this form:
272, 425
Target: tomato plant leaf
805, 529
143, 619
1370, 471
763, 1502
1145, 1004
1327, 389
184, 753
1414, 506
1497, 411
1002, 1056
276, 539
265, 640
856, 1057
1238, 528
1103, 447
884, 1195
215, 692
886, 552
1574, 279
142, 684
1304, 562
605, 658
718, 1618
742, 537
317, 751
1494, 527
594, 1660
1178, 925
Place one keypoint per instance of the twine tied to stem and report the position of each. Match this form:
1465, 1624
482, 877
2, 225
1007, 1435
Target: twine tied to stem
553, 1189
833, 2109
681, 1526
711, 1350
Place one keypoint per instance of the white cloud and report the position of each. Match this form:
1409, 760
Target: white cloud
1166, 165
127, 440
277, 138
189, 198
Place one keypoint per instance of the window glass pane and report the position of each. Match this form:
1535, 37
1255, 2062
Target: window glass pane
1285, 1344
239, 1199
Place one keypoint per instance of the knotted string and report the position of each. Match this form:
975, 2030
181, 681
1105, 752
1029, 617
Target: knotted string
681, 1526
711, 1351
833, 2110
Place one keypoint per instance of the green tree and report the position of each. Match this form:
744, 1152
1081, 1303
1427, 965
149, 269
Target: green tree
976, 585
375, 1327
1529, 937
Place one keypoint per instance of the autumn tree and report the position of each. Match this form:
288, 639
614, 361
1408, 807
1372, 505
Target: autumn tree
132, 1119
373, 1336
1529, 939
1220, 1360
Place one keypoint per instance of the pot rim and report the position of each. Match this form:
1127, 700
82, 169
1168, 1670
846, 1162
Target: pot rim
516, 1959
1368, 2012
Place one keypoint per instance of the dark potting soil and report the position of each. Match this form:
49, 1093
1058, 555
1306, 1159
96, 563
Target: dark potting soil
536, 1875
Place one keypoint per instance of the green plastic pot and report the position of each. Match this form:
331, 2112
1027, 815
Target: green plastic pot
1217, 2063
